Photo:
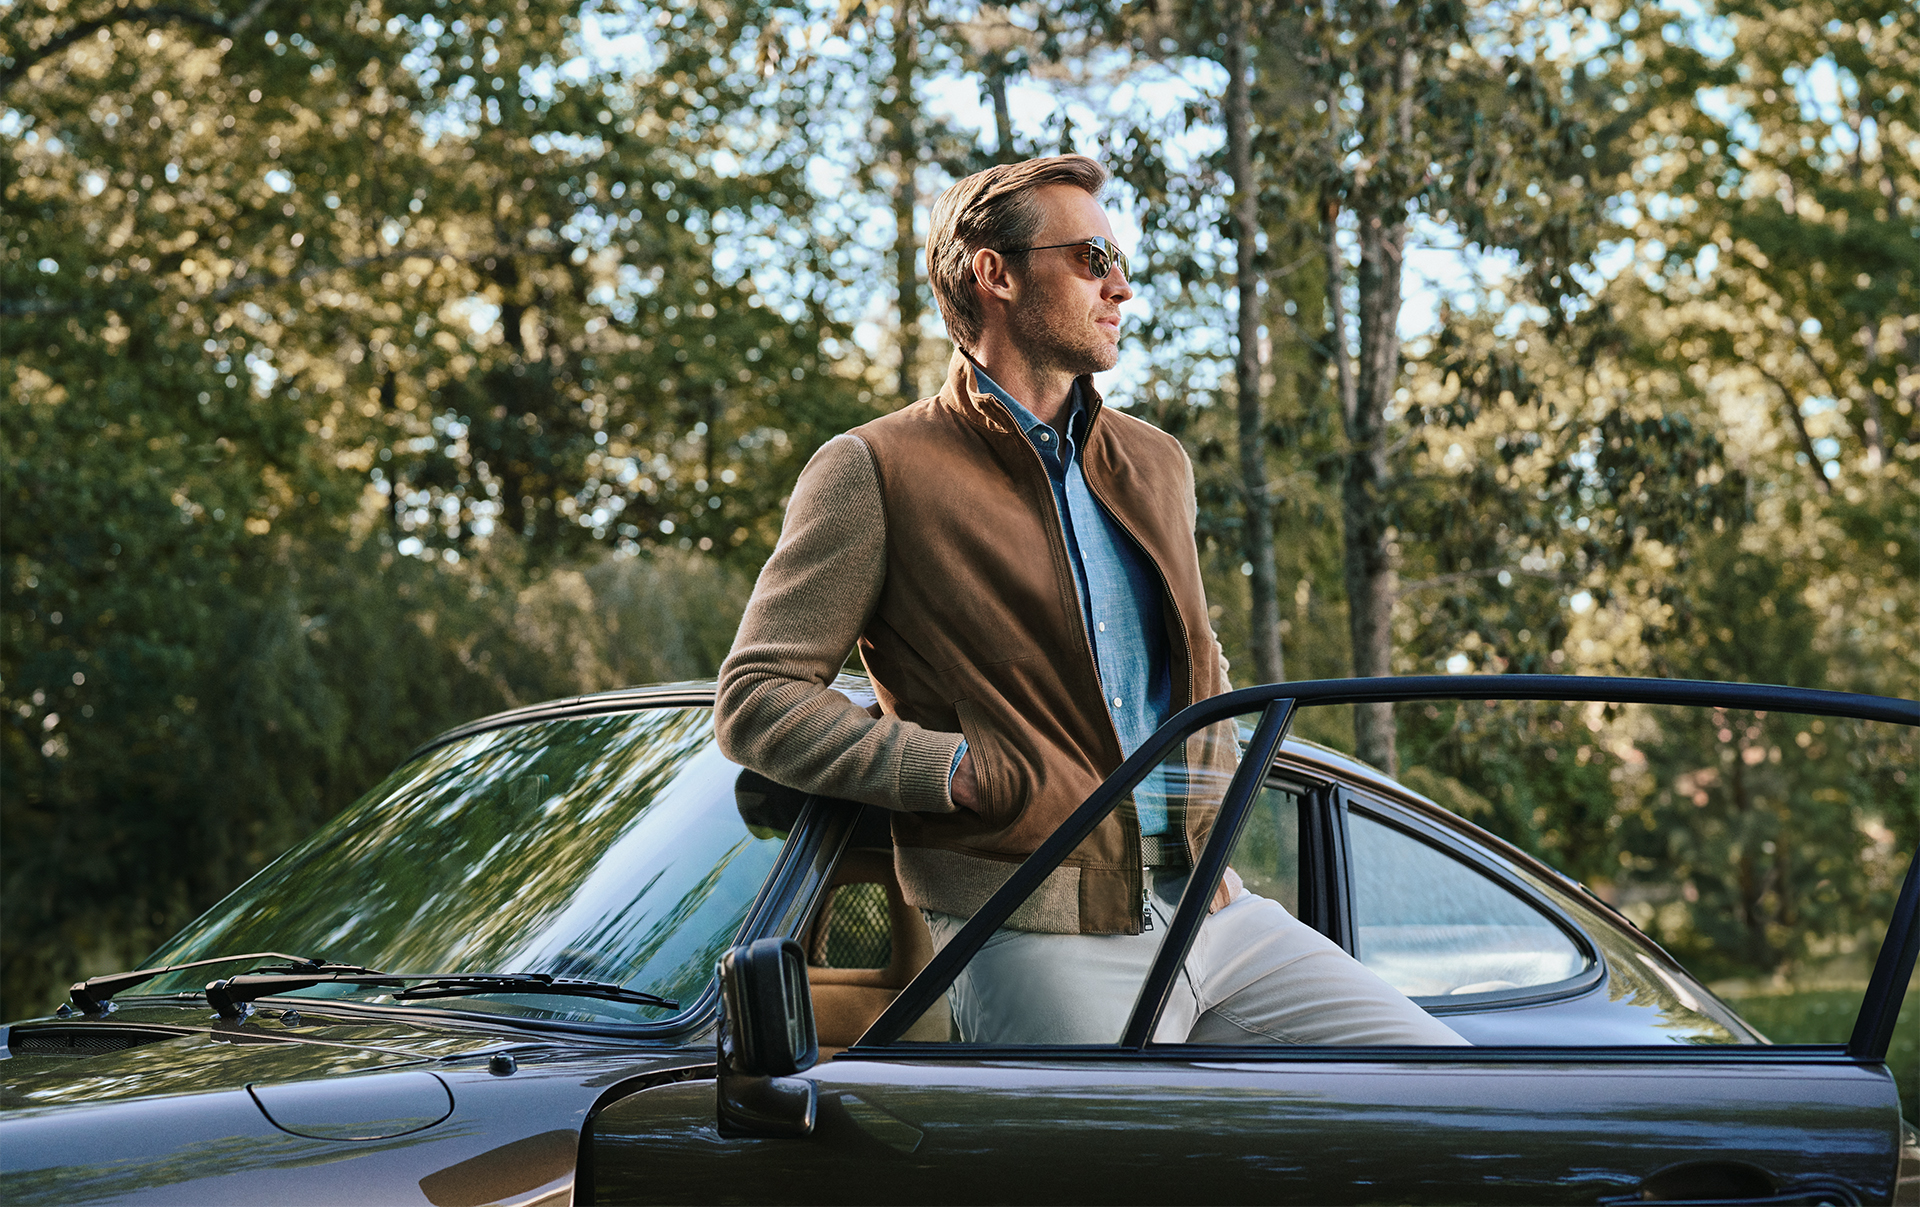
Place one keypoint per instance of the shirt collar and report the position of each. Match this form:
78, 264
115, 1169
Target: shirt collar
1028, 421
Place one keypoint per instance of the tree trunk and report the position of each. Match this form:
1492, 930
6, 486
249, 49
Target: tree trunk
1263, 618
1369, 569
1378, 197
905, 156
1002, 115
389, 405
1369, 556
1792, 408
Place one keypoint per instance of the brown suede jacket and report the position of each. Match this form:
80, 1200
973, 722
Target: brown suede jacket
929, 539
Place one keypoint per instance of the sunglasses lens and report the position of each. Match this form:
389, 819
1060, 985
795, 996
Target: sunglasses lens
1102, 257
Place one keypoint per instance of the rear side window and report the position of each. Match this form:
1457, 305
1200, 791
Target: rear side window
1432, 926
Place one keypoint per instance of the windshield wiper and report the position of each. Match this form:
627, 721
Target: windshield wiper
232, 998
95, 994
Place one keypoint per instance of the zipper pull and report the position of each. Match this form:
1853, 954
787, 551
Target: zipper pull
1146, 900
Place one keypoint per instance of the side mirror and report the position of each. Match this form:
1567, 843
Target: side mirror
766, 1036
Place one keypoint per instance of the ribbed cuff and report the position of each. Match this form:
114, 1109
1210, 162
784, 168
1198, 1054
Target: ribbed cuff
926, 772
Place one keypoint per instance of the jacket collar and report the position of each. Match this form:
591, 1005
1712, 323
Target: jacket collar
962, 393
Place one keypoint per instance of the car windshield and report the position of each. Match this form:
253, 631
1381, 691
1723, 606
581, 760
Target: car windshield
606, 848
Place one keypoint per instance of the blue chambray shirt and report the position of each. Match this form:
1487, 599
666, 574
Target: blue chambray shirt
1120, 597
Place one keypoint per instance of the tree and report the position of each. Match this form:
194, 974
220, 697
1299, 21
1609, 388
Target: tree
1778, 229
1341, 155
900, 108
329, 333
1263, 619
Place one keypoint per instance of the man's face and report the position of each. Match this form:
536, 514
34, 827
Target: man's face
1061, 317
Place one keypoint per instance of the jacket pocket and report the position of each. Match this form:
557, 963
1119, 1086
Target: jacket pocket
981, 749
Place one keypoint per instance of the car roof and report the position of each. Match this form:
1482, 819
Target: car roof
694, 693
700, 693
1300, 754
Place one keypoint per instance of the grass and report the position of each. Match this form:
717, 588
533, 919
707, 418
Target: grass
1826, 1016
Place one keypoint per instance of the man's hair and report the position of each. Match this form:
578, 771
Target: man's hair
992, 209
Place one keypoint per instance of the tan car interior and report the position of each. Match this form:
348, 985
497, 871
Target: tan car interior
891, 944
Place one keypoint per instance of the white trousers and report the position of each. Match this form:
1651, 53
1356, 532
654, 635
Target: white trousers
1256, 975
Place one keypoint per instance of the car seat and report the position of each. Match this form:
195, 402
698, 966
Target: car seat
863, 947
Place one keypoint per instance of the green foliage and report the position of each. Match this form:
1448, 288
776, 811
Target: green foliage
1776, 832
329, 334
1826, 1016
1748, 844
1537, 774
373, 364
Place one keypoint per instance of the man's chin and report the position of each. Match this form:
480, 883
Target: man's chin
1079, 358
1099, 356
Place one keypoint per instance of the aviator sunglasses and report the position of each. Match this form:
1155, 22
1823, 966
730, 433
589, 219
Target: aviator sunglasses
1100, 256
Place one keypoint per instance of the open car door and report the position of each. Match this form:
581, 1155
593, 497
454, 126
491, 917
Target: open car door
903, 1116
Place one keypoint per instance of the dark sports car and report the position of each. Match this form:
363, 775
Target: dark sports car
493, 980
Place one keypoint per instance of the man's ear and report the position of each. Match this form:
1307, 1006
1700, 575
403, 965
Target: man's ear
993, 275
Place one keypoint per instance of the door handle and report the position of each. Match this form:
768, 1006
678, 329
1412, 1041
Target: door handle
1732, 1184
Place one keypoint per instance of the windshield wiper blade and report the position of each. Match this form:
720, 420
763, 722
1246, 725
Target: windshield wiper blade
95, 994
462, 984
232, 997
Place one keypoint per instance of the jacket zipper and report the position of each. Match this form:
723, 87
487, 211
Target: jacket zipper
1166, 594
1132, 828
1059, 547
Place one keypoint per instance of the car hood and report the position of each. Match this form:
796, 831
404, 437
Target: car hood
153, 1051
161, 1104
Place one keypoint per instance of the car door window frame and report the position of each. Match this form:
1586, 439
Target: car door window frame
1256, 763
1326, 899
792, 890
1279, 702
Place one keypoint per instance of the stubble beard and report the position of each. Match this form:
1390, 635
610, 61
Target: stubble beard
1056, 333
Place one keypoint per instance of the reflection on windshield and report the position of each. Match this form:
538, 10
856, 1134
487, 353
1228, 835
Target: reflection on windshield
605, 848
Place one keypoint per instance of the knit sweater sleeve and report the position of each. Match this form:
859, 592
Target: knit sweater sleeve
776, 710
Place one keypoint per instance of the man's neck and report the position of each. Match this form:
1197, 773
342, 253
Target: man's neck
1048, 393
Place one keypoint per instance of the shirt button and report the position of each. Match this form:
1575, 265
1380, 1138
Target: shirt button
1045, 437
1116, 701
1102, 626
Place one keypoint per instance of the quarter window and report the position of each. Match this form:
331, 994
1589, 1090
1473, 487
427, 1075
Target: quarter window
1432, 926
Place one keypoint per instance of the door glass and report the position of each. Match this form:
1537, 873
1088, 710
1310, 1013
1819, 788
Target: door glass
1067, 965
1431, 926
1267, 855
1259, 974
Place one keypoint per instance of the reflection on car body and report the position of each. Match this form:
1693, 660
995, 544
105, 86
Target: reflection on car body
604, 839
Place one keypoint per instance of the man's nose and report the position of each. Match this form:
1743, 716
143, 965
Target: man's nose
1115, 288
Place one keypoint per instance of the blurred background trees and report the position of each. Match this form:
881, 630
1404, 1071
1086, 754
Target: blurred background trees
372, 365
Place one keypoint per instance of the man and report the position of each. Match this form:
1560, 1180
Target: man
1017, 567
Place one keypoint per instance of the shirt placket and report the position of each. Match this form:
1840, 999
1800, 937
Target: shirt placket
1125, 698
1059, 464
